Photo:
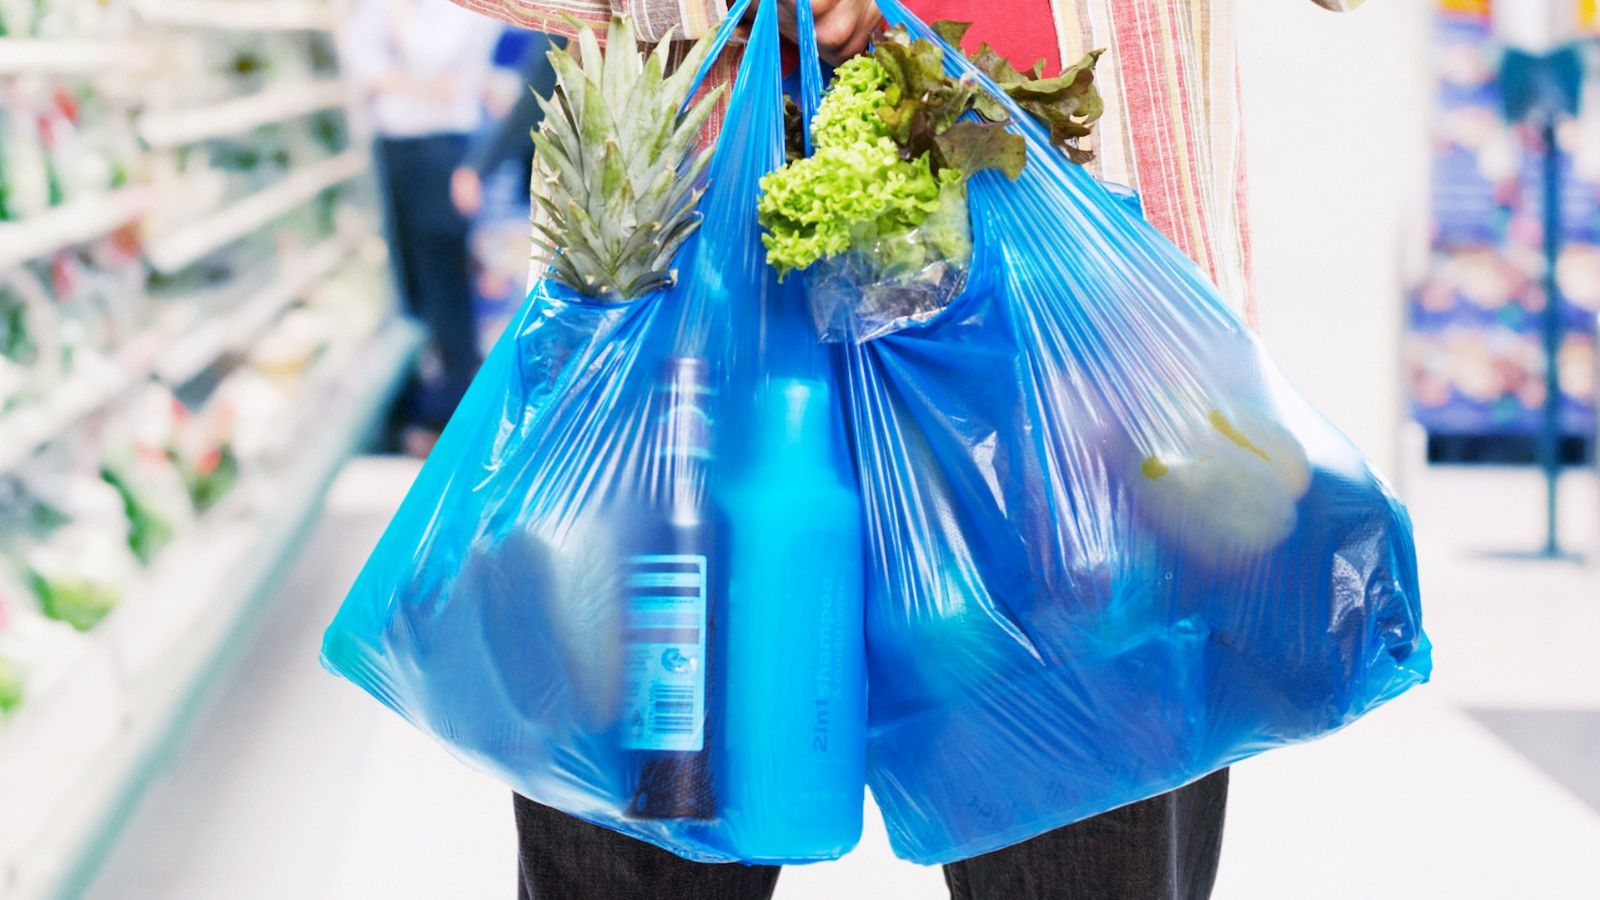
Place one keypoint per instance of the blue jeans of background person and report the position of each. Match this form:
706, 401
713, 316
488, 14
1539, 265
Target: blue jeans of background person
1164, 848
428, 250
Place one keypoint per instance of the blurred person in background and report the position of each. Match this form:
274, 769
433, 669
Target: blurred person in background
1172, 133
423, 65
507, 143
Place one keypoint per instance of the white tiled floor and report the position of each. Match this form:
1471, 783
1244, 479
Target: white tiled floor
297, 786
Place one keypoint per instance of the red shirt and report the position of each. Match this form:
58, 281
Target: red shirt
1023, 31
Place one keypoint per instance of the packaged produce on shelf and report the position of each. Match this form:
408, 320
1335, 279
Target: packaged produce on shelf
28, 182
35, 651
63, 315
202, 449
138, 462
100, 291
110, 152
31, 348
60, 18
13, 679
288, 351
60, 140
13, 671
68, 537
352, 299
263, 417
79, 574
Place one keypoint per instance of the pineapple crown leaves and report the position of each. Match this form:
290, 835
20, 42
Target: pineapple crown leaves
620, 168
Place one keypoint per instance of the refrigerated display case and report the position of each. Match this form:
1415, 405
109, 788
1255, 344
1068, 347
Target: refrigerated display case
196, 330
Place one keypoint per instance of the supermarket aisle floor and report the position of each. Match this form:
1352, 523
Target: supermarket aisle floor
296, 786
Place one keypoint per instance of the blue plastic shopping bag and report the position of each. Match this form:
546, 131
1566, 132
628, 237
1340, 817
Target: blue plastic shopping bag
1110, 548
629, 580
1062, 515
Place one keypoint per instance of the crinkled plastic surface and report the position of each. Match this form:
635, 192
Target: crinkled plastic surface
628, 581
1084, 541
1110, 549
852, 302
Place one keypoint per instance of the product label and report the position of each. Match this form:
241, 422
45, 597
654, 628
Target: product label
666, 645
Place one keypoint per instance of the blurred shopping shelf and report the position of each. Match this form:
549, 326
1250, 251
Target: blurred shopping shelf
72, 766
239, 329
187, 245
239, 15
241, 114
100, 383
75, 223
66, 56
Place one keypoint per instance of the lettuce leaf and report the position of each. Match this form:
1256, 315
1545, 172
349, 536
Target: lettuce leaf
1067, 105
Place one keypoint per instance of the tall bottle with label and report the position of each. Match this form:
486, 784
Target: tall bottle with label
674, 584
792, 772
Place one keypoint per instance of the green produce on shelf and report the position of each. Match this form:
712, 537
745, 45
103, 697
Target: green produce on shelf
17, 343
79, 571
79, 602
13, 684
30, 338
210, 475
139, 464
148, 529
22, 18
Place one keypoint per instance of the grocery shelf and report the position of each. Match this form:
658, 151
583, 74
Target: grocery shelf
279, 104
170, 638
238, 329
26, 429
77, 56
193, 242
239, 15
73, 223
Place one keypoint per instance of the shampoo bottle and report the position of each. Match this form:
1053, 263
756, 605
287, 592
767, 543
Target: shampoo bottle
793, 776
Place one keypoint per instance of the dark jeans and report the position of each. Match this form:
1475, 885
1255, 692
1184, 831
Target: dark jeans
1164, 848
428, 248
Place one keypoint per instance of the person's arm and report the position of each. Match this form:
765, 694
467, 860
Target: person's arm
843, 26
1338, 5
652, 19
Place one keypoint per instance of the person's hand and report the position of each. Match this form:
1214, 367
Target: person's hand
844, 27
466, 191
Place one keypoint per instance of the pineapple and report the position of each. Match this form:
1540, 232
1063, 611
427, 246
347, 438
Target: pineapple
617, 165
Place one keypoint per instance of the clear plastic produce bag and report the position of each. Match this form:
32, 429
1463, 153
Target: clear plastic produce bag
629, 580
1110, 548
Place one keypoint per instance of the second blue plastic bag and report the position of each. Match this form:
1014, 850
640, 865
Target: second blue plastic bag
1111, 549
629, 580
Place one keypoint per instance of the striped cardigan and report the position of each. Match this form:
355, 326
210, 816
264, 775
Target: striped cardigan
1171, 129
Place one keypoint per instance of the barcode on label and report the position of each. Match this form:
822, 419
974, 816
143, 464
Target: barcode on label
671, 709
665, 632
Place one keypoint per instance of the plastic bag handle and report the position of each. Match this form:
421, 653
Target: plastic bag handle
810, 67
725, 29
